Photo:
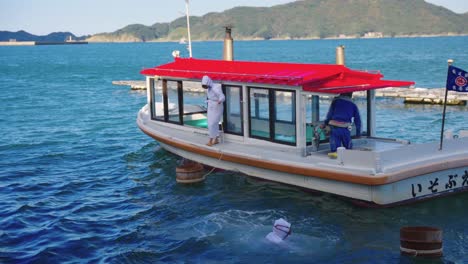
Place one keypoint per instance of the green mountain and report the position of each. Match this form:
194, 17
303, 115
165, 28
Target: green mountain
25, 36
306, 19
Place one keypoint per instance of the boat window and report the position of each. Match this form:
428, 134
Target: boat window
313, 117
194, 105
169, 98
157, 106
361, 105
363, 110
272, 115
285, 116
316, 112
174, 89
233, 111
259, 113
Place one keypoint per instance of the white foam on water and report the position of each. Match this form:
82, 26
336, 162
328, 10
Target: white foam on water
245, 231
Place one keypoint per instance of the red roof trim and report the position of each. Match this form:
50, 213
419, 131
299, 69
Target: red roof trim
326, 78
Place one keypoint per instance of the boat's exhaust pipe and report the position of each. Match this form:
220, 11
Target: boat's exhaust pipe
340, 55
228, 51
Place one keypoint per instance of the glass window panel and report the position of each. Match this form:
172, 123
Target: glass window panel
285, 116
157, 107
173, 101
312, 116
285, 106
233, 110
259, 113
194, 105
361, 103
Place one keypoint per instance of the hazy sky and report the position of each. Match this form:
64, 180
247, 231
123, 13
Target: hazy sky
82, 17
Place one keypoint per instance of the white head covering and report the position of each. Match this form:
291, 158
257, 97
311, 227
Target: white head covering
281, 230
207, 81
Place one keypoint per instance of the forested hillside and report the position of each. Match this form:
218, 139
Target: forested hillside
307, 19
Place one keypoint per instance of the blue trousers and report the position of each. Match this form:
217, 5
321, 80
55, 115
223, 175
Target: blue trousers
340, 136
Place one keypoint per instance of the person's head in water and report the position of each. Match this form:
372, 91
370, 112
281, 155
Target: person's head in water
281, 230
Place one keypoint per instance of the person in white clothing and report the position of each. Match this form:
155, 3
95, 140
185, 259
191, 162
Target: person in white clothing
215, 98
281, 230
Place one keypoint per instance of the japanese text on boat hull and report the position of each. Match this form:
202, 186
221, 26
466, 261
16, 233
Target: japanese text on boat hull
424, 186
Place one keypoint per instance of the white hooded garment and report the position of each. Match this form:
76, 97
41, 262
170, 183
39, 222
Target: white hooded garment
281, 230
215, 97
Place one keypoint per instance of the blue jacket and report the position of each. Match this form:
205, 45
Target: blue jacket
343, 109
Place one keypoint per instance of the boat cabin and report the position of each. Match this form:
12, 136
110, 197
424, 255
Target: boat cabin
277, 103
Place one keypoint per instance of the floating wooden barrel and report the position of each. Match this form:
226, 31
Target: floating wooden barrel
421, 241
190, 172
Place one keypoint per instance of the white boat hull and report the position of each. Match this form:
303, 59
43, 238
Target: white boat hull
372, 177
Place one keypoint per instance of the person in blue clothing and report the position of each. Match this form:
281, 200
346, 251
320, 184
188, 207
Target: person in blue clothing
340, 118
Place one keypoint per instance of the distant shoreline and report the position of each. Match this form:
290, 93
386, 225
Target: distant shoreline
40, 43
165, 40
281, 39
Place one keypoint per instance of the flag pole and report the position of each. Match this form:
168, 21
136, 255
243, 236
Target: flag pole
449, 62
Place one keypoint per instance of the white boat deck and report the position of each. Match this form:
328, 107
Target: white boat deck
370, 156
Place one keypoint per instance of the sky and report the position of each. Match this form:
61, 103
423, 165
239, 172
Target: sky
86, 17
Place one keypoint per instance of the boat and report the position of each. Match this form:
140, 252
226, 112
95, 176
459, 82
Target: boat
271, 129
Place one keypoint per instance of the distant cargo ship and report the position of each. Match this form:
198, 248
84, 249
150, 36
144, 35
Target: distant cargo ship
68, 41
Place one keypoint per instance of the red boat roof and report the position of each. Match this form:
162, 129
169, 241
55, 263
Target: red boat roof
325, 78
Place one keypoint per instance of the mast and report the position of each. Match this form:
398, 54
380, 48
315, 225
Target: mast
188, 27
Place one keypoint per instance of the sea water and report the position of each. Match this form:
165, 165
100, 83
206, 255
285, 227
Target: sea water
79, 182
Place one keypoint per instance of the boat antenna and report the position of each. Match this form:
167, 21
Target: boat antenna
188, 27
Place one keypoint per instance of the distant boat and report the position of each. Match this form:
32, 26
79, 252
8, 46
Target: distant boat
182, 41
70, 39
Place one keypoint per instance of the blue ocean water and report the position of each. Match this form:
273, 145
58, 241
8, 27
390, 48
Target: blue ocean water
79, 183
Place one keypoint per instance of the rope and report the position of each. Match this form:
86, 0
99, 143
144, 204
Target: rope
222, 153
415, 252
213, 167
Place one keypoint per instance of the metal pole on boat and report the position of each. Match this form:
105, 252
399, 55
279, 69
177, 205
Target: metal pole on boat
188, 27
228, 50
449, 62
340, 55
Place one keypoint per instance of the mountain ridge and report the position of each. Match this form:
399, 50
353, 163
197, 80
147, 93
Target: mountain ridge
306, 19
302, 19
22, 35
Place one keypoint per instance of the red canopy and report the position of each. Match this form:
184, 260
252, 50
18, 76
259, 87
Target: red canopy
325, 78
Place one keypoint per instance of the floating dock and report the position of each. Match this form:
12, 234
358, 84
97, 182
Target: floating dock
134, 85
434, 96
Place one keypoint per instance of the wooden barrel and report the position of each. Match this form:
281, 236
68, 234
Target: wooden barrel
190, 172
421, 241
